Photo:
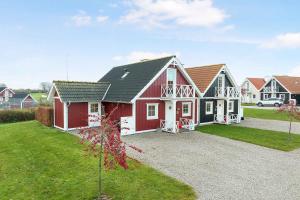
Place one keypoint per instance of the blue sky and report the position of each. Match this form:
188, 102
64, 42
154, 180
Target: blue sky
40, 38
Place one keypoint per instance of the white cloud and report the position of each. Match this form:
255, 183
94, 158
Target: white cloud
81, 19
152, 13
113, 5
101, 18
141, 55
295, 71
286, 40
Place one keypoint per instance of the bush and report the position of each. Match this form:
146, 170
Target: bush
44, 115
10, 116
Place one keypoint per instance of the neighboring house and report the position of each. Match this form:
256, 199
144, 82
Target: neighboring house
146, 96
5, 94
221, 99
21, 100
250, 89
284, 87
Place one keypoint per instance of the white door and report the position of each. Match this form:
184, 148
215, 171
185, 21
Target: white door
94, 114
220, 110
171, 81
169, 115
127, 125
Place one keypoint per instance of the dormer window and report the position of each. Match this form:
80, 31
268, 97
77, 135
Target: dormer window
125, 73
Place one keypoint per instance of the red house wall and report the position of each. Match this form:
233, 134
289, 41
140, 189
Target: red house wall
179, 110
155, 89
78, 115
58, 113
28, 102
142, 123
123, 110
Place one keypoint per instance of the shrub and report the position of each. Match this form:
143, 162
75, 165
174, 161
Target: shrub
44, 115
10, 116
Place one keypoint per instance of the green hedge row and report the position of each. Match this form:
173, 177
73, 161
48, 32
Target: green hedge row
9, 116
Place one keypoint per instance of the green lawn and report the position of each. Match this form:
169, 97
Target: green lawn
266, 138
248, 104
266, 114
37, 162
39, 96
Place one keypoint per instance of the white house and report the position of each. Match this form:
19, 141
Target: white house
250, 89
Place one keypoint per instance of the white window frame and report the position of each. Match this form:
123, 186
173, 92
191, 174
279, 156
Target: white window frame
188, 114
280, 95
156, 111
232, 106
91, 106
211, 107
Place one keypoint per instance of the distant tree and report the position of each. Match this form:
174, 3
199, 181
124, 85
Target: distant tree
45, 86
105, 141
293, 113
2, 85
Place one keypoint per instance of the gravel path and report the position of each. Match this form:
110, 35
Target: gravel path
220, 168
274, 125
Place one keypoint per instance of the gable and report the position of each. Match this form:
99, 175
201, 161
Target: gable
203, 76
154, 90
291, 83
211, 90
278, 84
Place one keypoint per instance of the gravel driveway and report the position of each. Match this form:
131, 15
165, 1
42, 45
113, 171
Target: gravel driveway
274, 125
220, 168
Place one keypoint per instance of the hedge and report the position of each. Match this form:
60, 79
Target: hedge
10, 116
44, 115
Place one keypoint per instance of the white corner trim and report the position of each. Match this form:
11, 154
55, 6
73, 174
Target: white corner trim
213, 80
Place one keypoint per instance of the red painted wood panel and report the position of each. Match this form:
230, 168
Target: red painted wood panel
123, 110
155, 89
28, 102
142, 123
179, 110
78, 115
59, 113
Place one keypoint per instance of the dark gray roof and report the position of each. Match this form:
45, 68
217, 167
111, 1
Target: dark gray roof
71, 91
20, 95
140, 74
2, 88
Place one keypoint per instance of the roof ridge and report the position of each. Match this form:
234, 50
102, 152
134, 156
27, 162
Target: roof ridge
90, 82
206, 66
146, 60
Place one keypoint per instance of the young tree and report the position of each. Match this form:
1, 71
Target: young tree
292, 111
105, 142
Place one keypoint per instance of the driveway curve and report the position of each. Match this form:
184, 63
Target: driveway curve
220, 168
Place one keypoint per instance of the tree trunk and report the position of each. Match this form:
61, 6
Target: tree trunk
100, 168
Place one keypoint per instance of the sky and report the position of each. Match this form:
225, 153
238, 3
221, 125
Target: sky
81, 40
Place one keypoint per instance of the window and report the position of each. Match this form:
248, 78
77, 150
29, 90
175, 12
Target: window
282, 96
186, 109
152, 111
220, 81
124, 75
94, 107
266, 96
254, 96
209, 108
230, 106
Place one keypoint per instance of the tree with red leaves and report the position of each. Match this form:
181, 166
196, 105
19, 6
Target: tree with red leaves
293, 112
105, 141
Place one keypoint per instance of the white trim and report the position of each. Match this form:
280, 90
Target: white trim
7, 89
212, 108
59, 128
66, 112
134, 115
189, 104
106, 92
213, 80
156, 111
198, 110
273, 78
148, 98
51, 91
264, 94
146, 131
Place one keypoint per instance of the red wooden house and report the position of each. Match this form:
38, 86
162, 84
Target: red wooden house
5, 94
148, 95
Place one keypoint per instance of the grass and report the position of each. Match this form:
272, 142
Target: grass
39, 96
266, 138
37, 162
266, 114
248, 104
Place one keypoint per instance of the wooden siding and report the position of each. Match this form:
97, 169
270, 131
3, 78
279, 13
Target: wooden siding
28, 102
142, 123
155, 89
211, 90
123, 110
59, 113
78, 115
